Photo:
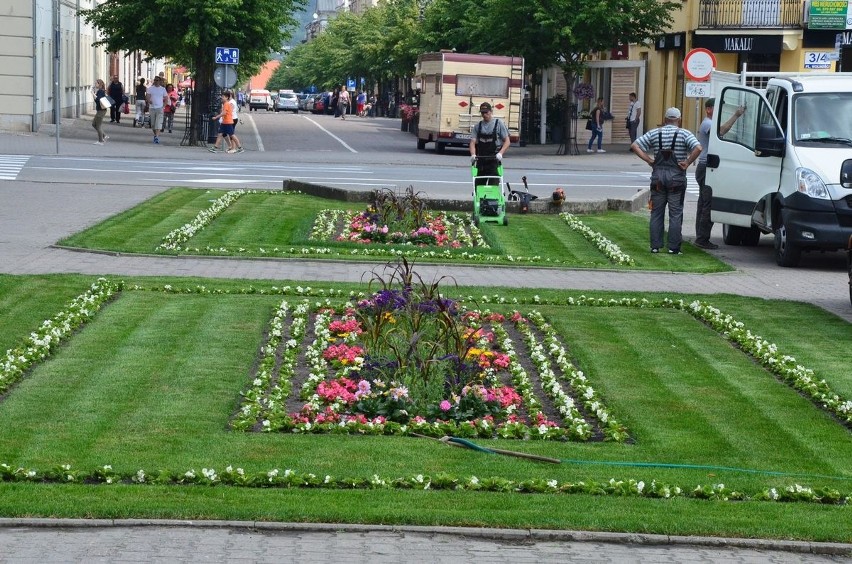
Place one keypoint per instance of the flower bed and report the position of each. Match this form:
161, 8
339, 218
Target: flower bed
441, 230
397, 220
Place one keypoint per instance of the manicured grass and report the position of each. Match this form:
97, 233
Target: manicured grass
274, 224
153, 380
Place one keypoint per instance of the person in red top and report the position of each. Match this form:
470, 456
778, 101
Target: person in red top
226, 123
170, 108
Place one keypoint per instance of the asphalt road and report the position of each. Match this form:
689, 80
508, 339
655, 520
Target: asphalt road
362, 153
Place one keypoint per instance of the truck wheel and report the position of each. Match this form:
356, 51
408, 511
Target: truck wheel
421, 144
505, 220
439, 148
751, 237
786, 254
732, 235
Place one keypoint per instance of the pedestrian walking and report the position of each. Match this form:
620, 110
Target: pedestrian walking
226, 124
141, 103
343, 102
634, 116
596, 121
157, 99
703, 224
170, 108
99, 92
116, 92
360, 103
235, 141
674, 149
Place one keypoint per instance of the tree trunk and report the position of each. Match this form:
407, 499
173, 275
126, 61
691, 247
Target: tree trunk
203, 77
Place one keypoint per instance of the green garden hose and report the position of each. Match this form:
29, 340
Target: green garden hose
476, 447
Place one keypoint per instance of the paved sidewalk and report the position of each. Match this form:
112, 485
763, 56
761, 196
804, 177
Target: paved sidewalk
34, 216
48, 541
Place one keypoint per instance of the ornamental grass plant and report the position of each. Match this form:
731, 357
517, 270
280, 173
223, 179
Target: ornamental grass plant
154, 379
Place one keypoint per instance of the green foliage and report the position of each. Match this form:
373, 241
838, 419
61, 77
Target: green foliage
385, 41
188, 32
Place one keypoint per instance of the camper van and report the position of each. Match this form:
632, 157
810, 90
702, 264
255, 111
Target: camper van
453, 85
785, 167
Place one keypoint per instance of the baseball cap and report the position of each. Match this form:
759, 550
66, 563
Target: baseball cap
673, 113
711, 102
484, 107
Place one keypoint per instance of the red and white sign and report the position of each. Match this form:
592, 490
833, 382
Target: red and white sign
699, 63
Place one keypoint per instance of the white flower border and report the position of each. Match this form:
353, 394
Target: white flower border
612, 251
44, 340
288, 478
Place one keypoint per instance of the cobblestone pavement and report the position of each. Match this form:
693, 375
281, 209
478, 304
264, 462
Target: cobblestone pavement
57, 541
34, 216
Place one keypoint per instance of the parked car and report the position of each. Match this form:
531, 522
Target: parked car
303, 99
318, 104
287, 101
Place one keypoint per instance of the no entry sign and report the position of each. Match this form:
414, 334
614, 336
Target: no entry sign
699, 63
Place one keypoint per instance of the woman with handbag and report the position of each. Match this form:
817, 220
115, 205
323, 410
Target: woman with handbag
102, 104
596, 121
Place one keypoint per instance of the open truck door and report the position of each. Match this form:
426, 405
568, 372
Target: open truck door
744, 164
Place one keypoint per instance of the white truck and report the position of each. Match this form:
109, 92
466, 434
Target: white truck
453, 85
785, 167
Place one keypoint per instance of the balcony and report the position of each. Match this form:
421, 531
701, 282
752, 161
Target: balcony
750, 14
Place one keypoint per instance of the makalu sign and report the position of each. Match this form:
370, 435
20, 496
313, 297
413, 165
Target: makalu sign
830, 14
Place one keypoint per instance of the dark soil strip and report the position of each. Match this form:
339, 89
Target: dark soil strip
597, 434
547, 407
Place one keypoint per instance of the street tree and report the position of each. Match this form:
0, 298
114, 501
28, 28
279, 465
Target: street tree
568, 33
188, 31
565, 33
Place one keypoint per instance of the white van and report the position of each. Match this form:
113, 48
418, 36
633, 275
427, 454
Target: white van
260, 100
785, 167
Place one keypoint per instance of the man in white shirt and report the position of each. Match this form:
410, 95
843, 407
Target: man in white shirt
157, 98
634, 115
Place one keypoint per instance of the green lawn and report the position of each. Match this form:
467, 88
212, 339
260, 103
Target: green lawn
153, 380
277, 224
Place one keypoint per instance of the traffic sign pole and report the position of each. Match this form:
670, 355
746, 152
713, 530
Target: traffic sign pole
698, 65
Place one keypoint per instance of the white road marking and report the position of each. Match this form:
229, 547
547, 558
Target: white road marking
11, 165
338, 139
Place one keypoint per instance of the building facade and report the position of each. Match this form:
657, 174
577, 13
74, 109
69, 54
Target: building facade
41, 77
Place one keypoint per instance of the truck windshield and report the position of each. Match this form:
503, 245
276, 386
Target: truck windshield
823, 119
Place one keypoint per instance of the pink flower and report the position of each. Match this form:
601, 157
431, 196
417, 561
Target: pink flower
445, 405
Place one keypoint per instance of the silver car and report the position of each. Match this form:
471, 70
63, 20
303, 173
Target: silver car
288, 102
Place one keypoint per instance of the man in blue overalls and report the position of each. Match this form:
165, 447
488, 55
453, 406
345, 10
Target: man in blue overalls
489, 140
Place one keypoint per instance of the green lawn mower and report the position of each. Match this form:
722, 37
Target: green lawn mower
489, 196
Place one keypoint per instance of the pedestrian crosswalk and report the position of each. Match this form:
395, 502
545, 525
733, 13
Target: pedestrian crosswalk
11, 165
691, 184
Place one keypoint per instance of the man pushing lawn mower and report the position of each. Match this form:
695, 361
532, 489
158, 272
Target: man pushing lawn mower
488, 143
